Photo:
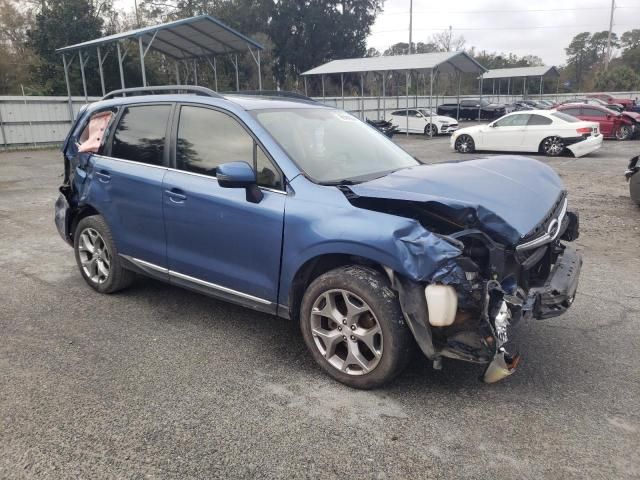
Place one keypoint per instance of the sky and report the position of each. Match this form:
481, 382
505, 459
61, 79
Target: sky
542, 27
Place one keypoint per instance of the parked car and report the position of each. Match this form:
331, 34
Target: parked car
535, 104
422, 120
633, 177
470, 109
627, 103
616, 107
541, 131
612, 124
384, 126
300, 210
518, 106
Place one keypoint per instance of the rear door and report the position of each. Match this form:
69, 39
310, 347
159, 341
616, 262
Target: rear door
126, 182
592, 114
218, 241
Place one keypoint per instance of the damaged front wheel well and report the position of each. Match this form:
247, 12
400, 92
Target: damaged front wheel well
317, 266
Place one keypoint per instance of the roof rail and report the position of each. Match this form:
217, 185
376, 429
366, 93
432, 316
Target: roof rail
207, 92
273, 93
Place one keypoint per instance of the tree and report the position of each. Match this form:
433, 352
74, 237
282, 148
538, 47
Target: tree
15, 57
630, 39
620, 78
579, 59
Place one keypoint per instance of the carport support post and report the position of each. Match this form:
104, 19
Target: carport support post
101, 72
362, 95
259, 73
430, 106
406, 83
342, 88
66, 79
144, 73
524, 88
177, 73
305, 86
322, 80
540, 87
384, 97
84, 81
508, 89
235, 63
458, 100
480, 107
557, 89
195, 72
215, 73
120, 65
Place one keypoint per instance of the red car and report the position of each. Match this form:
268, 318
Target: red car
627, 103
612, 124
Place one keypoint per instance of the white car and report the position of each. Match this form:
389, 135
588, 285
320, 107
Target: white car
545, 131
422, 120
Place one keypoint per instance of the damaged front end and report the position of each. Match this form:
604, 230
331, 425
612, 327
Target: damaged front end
464, 309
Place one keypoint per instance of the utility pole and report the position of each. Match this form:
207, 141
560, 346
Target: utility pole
410, 26
608, 57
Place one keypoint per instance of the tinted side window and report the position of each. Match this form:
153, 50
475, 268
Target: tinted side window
208, 138
593, 112
141, 133
539, 120
400, 113
571, 111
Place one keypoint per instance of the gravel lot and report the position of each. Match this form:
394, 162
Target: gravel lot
160, 382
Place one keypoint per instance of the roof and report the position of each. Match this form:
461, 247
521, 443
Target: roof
182, 39
542, 71
443, 61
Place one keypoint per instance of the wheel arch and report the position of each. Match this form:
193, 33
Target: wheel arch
82, 211
319, 265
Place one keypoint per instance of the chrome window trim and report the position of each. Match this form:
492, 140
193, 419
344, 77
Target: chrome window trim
547, 236
204, 283
162, 167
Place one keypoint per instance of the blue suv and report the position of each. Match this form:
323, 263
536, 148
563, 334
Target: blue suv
296, 209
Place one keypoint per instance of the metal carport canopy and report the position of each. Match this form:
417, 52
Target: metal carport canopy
181, 40
447, 62
442, 62
523, 72
543, 71
184, 39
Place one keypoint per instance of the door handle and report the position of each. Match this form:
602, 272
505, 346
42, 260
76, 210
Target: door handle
103, 176
176, 195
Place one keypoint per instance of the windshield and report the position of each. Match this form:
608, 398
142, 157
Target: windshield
332, 146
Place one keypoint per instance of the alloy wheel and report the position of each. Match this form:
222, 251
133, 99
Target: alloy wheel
430, 130
346, 332
464, 144
95, 257
623, 133
553, 146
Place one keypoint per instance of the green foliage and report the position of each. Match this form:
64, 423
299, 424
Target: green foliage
620, 78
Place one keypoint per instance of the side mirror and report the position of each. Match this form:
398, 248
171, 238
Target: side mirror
239, 175
492, 125
419, 115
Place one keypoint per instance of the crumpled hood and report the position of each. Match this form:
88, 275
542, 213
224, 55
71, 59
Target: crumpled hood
508, 194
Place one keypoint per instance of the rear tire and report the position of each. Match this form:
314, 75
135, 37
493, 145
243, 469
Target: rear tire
353, 326
623, 133
465, 144
552, 146
97, 256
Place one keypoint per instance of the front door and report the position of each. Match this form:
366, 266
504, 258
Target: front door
218, 241
507, 133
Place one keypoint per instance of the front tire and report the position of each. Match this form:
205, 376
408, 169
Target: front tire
431, 130
624, 132
552, 146
352, 324
97, 256
465, 144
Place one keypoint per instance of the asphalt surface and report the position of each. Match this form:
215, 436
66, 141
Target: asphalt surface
158, 382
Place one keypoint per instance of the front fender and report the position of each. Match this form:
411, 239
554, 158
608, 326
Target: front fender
399, 243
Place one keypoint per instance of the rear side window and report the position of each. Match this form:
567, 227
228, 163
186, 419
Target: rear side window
571, 111
593, 112
563, 116
539, 120
400, 113
140, 135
